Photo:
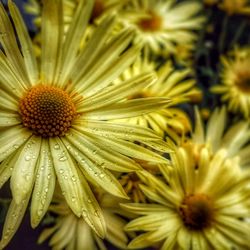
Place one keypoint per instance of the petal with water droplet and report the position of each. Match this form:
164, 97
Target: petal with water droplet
11, 139
67, 168
44, 186
23, 175
98, 175
13, 219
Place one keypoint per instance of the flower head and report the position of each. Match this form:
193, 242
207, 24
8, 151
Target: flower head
235, 7
177, 85
194, 208
162, 24
57, 115
216, 135
235, 81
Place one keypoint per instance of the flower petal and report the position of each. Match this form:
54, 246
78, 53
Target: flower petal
23, 174
44, 185
52, 35
67, 175
11, 49
94, 171
8, 119
13, 219
115, 93
11, 139
26, 43
131, 108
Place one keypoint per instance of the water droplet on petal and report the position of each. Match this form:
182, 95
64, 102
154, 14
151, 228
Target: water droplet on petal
63, 158
27, 158
56, 146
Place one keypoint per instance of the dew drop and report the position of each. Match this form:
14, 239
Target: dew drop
84, 213
63, 158
73, 178
73, 199
56, 146
102, 175
39, 212
27, 158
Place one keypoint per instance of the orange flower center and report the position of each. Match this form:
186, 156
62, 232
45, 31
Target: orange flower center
47, 111
196, 211
152, 23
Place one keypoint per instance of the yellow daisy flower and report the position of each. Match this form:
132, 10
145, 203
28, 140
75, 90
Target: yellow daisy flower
195, 208
232, 7
178, 85
72, 232
161, 25
235, 81
217, 135
54, 115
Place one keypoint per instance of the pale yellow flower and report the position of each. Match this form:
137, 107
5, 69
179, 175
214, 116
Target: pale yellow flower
177, 85
234, 138
54, 115
232, 7
73, 233
200, 205
161, 25
235, 81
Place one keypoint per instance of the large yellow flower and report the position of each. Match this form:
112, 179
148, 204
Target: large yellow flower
71, 232
235, 81
218, 134
161, 25
178, 85
54, 115
235, 6
199, 205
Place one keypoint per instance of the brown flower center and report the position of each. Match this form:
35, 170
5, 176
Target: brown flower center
196, 211
243, 82
152, 23
47, 111
98, 9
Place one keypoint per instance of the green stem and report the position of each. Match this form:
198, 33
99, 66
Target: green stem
223, 34
238, 33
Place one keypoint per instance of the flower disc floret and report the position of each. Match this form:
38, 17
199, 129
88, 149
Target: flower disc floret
47, 111
196, 211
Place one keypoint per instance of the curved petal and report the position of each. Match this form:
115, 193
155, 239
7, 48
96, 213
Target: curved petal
44, 185
11, 139
94, 171
131, 108
104, 156
26, 43
23, 174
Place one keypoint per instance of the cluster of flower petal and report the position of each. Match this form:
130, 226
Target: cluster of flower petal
58, 114
193, 207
